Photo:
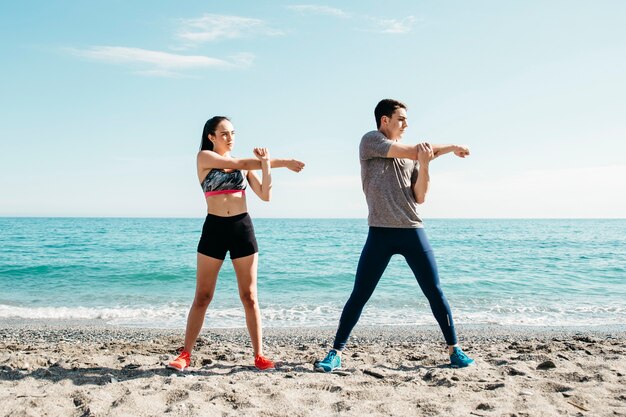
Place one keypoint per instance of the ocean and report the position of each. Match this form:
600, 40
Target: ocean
141, 272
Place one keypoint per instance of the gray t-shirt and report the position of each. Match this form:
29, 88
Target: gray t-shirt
388, 184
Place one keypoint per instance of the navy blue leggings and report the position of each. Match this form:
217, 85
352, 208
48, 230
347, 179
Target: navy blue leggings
382, 243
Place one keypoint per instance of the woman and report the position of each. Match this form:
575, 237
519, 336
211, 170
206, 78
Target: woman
228, 228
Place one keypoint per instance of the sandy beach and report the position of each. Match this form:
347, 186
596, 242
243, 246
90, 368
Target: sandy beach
70, 369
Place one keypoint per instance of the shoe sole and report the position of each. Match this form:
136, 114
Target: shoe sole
185, 369
461, 367
322, 369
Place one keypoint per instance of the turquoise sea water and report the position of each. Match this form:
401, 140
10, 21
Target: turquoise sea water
141, 272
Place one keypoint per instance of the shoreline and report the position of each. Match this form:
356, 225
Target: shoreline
94, 370
495, 328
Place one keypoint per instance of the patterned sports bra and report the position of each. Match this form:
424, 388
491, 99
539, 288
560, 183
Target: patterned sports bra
219, 182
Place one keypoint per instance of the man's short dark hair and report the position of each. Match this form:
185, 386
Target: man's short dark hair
386, 107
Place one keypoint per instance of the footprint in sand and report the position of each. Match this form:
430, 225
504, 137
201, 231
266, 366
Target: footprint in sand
175, 396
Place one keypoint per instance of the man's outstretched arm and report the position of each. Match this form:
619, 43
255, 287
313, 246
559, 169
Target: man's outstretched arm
403, 150
459, 150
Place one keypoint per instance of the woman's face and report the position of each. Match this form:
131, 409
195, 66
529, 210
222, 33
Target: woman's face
224, 137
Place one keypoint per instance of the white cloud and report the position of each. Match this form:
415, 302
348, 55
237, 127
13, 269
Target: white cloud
161, 73
390, 26
214, 27
243, 59
317, 9
395, 26
160, 63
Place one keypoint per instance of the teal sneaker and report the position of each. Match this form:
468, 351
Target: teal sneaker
331, 362
459, 359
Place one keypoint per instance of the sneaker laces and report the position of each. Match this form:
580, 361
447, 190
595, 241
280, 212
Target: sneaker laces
331, 355
184, 357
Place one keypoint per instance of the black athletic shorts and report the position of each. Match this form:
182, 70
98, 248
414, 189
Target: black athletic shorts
233, 234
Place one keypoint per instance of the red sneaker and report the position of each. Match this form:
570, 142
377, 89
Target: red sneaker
263, 364
182, 362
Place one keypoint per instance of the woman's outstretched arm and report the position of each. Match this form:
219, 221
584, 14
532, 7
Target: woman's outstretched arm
291, 164
210, 160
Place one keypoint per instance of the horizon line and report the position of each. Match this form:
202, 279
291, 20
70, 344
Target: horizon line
308, 218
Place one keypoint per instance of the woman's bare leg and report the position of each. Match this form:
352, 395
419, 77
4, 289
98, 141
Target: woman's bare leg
246, 270
206, 279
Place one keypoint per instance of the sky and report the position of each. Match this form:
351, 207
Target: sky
102, 104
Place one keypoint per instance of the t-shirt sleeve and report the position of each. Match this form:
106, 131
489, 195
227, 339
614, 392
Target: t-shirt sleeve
374, 145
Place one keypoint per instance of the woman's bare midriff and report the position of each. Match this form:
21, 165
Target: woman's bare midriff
226, 205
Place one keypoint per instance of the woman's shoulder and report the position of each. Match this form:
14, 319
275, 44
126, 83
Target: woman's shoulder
206, 152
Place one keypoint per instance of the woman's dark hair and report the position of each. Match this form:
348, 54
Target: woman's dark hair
209, 128
386, 107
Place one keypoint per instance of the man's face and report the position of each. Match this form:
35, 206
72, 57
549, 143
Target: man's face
393, 127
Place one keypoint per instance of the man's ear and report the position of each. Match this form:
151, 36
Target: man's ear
384, 120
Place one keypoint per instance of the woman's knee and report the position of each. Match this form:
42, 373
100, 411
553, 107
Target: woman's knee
203, 299
248, 299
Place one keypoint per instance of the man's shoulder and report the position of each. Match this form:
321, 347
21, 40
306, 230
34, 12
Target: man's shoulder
374, 145
374, 134
373, 139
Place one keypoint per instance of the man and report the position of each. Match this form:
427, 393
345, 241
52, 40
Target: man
395, 180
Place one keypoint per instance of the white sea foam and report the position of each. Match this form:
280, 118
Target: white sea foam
174, 315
